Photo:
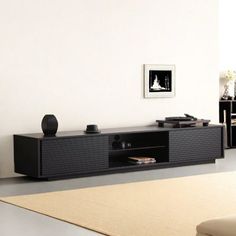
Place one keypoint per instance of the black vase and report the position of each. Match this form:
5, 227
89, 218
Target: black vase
49, 125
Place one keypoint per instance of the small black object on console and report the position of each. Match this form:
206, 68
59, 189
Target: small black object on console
49, 125
182, 121
92, 129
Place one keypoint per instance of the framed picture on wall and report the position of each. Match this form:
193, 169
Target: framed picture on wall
159, 81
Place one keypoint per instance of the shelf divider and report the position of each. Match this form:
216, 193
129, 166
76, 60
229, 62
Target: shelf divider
137, 148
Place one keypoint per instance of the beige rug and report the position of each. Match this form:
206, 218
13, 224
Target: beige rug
169, 207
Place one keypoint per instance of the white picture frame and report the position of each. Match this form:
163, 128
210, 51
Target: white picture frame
159, 81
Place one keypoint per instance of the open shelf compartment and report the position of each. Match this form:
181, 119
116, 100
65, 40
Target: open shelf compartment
152, 144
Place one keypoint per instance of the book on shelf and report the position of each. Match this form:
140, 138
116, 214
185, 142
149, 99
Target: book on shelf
141, 160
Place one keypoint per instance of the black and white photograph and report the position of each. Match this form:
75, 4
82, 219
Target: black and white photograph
159, 81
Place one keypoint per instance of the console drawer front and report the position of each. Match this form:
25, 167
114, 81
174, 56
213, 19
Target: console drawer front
195, 144
74, 155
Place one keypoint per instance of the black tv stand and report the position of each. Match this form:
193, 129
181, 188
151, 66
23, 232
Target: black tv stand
71, 154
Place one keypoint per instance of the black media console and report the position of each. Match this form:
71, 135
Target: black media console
71, 154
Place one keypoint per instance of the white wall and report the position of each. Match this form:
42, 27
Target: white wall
82, 61
227, 38
227, 34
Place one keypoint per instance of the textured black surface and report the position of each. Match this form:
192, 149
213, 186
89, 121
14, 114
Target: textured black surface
74, 155
193, 145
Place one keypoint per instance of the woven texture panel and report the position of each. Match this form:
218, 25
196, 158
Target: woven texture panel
74, 155
194, 144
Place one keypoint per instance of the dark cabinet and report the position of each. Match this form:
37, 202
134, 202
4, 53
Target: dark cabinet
190, 145
55, 157
71, 154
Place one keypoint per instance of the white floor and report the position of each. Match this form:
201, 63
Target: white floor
15, 221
